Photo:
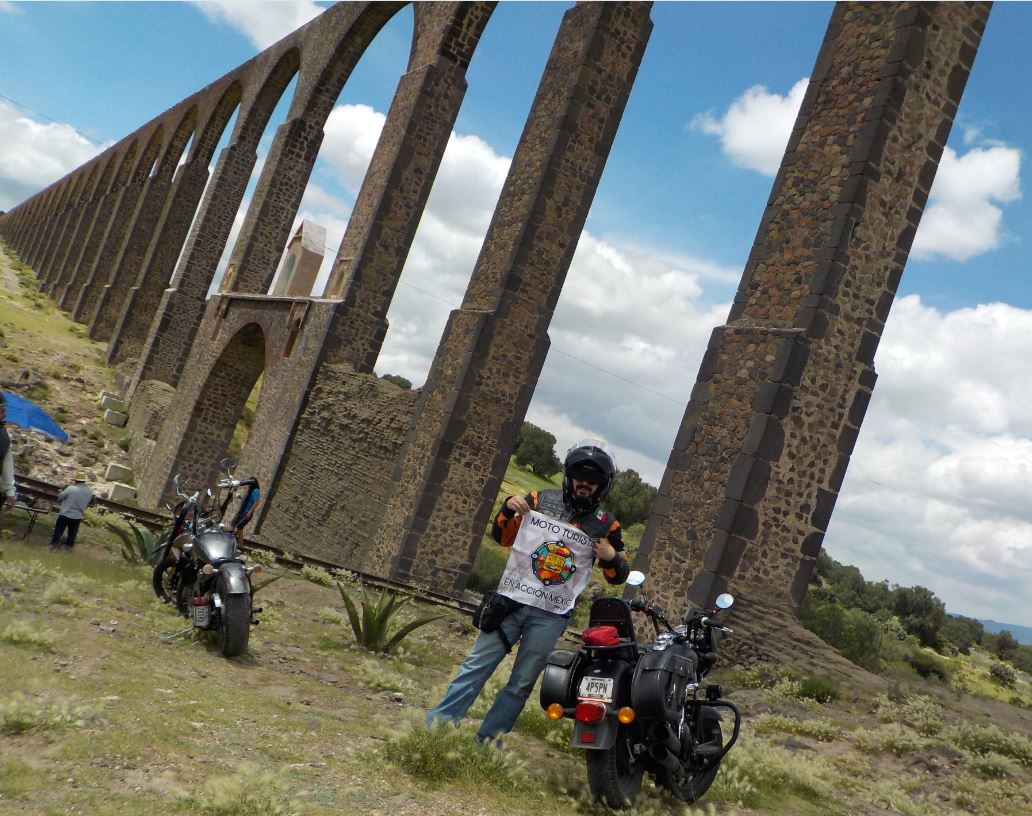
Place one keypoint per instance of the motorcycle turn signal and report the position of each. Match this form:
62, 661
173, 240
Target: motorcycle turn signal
555, 711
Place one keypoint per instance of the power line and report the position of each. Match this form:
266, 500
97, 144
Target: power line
52, 119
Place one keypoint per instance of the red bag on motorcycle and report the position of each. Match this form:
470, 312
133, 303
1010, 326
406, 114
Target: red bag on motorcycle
601, 636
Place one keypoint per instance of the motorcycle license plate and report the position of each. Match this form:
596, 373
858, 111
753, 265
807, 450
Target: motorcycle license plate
596, 688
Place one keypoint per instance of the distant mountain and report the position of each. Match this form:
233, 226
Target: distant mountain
1022, 634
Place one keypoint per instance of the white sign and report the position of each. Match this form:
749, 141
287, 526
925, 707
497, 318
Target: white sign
549, 564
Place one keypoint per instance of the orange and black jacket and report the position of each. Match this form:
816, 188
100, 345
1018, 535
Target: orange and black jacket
595, 523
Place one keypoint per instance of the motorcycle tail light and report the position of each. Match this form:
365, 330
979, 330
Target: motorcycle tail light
554, 711
626, 715
589, 712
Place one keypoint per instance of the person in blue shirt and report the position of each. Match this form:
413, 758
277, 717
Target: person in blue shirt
251, 498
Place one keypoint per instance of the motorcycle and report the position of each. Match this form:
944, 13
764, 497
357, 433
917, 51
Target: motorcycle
201, 570
638, 709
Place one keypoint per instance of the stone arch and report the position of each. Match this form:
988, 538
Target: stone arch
219, 404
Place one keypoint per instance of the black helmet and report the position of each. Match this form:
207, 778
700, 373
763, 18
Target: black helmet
590, 458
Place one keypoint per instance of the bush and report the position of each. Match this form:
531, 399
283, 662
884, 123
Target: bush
1003, 674
928, 665
21, 714
855, 633
535, 449
446, 753
990, 739
819, 689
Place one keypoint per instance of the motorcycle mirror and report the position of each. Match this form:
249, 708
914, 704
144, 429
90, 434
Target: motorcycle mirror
169, 506
724, 601
227, 464
636, 579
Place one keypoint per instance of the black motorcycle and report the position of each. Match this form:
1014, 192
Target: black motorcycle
202, 572
639, 709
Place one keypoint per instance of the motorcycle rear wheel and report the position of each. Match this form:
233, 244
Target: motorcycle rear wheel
614, 776
690, 787
234, 622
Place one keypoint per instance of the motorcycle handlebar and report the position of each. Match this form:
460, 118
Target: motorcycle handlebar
713, 624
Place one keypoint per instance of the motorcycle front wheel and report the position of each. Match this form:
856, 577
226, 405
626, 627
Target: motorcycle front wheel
689, 786
614, 776
161, 578
234, 621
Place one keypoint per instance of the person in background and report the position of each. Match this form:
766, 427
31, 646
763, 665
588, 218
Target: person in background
7, 457
252, 496
73, 500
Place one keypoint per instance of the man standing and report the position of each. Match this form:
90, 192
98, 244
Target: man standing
248, 504
540, 581
74, 500
7, 487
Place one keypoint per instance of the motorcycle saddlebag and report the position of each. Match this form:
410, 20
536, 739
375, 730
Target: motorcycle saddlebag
659, 682
560, 678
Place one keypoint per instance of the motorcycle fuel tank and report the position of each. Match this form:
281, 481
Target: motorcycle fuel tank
214, 547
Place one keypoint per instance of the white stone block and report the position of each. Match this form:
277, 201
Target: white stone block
121, 492
118, 473
113, 403
116, 418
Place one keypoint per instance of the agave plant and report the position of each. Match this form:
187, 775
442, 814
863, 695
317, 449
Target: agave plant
139, 545
373, 628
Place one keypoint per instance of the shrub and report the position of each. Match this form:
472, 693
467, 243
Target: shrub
1003, 674
139, 545
21, 633
820, 730
373, 628
820, 689
317, 576
21, 714
928, 665
892, 738
986, 739
446, 753
61, 592
249, 793
993, 766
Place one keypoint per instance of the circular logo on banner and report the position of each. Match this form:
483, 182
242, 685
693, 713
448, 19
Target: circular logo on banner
553, 563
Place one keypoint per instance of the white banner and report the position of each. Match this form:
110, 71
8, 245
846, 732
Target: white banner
549, 564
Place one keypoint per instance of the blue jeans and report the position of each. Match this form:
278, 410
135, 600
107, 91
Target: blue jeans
537, 632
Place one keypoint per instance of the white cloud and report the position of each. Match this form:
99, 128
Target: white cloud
939, 492
755, 129
33, 155
962, 220
10, 8
263, 22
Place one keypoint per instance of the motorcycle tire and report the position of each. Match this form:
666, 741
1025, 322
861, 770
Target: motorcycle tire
690, 787
234, 621
614, 776
161, 578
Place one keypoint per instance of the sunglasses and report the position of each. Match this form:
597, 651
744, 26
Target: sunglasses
589, 475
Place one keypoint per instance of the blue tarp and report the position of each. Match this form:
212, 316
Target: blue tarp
26, 414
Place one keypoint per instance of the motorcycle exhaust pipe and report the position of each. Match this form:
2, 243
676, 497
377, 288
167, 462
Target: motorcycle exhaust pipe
661, 755
663, 734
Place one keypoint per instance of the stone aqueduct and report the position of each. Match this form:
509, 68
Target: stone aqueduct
766, 438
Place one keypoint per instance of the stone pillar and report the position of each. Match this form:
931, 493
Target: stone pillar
276, 200
126, 267
73, 243
100, 272
783, 387
179, 313
67, 293
153, 263
50, 228
48, 213
388, 208
489, 359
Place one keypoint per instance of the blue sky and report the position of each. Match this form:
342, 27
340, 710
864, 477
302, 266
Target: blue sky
939, 491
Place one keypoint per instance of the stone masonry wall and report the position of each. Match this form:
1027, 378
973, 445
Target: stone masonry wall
338, 466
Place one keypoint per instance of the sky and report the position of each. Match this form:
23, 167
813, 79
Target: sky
939, 490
